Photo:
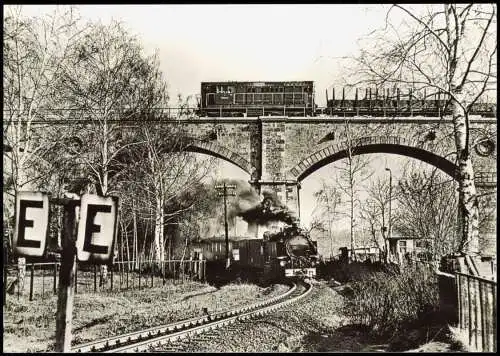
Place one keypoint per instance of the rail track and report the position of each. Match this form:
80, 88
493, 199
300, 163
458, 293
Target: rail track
172, 335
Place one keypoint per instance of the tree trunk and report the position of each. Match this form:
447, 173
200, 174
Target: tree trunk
135, 245
467, 197
127, 248
159, 250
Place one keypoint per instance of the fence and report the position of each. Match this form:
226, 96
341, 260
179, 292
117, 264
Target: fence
477, 311
42, 278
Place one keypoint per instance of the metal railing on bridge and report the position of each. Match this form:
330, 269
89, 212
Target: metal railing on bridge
346, 108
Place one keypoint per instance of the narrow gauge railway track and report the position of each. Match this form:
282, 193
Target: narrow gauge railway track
172, 334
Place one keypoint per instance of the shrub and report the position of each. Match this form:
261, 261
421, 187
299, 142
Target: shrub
387, 301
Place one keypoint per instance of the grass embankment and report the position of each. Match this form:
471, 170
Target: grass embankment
397, 306
30, 326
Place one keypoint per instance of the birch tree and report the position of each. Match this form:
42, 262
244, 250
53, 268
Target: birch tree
353, 170
35, 50
328, 200
161, 175
449, 49
110, 80
374, 211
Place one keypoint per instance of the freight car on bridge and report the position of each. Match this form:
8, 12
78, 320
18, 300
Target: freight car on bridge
253, 99
396, 103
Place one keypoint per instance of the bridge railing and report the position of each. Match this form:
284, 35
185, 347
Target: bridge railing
191, 113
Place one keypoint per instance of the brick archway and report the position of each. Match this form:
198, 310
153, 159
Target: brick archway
212, 148
369, 144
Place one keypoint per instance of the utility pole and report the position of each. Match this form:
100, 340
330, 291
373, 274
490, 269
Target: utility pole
223, 191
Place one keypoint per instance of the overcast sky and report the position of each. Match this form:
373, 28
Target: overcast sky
244, 42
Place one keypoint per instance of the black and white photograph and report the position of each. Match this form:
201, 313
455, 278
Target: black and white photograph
193, 178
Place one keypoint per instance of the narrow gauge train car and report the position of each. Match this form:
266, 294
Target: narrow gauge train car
382, 104
251, 99
289, 253
387, 107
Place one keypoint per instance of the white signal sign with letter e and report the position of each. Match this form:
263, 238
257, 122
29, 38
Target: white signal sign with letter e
32, 220
97, 228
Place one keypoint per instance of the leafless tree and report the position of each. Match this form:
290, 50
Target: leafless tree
427, 205
448, 49
35, 50
328, 199
108, 81
352, 172
160, 174
374, 211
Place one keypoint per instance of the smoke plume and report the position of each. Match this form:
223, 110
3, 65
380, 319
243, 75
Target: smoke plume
247, 204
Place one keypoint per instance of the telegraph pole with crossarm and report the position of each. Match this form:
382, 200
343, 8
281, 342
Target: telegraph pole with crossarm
223, 191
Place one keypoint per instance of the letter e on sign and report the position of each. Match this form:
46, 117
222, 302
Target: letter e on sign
32, 221
97, 228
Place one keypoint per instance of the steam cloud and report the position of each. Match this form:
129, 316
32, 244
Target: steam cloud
247, 205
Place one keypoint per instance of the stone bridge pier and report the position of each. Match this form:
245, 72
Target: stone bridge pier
271, 175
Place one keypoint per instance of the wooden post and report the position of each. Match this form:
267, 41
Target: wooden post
411, 102
95, 278
474, 314
356, 104
21, 274
482, 315
398, 98
491, 318
139, 260
76, 277
468, 312
32, 280
370, 100
42, 269
54, 286
111, 270
5, 281
66, 279
128, 266
459, 300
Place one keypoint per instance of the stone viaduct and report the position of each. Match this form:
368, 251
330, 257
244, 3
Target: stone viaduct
279, 152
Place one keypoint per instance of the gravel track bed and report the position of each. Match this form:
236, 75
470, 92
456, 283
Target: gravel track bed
30, 327
313, 324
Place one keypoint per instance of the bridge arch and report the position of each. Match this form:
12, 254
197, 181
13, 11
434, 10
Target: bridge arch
212, 148
370, 144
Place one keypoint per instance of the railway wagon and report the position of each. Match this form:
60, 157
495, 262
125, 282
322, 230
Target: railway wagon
253, 99
286, 254
375, 103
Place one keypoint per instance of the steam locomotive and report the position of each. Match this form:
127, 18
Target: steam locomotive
285, 254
